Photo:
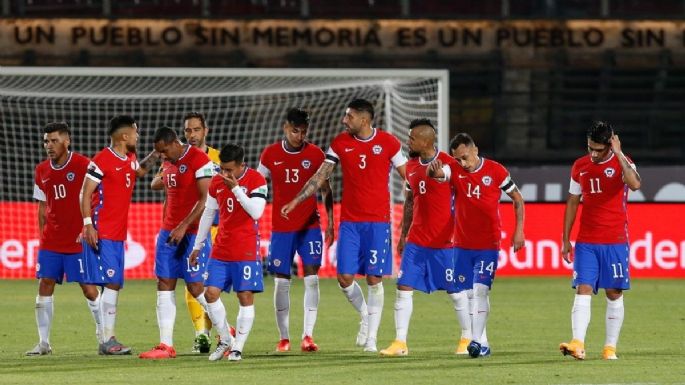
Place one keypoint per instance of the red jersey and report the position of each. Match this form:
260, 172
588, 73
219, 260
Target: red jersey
477, 204
603, 219
289, 171
180, 180
366, 166
433, 221
237, 238
116, 177
60, 188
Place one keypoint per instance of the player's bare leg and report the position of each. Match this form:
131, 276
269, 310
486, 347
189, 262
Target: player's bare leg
354, 294
614, 320
580, 319
44, 312
311, 307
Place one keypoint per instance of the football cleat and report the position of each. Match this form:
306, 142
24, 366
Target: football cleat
41, 349
221, 349
235, 356
202, 343
575, 348
370, 346
283, 345
363, 333
397, 348
485, 351
159, 352
308, 345
474, 349
609, 353
113, 348
461, 347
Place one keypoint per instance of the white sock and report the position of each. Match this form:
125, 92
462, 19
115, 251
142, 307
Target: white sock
244, 325
481, 310
580, 316
461, 307
356, 297
311, 304
375, 309
282, 306
217, 313
44, 310
166, 316
404, 305
484, 336
108, 309
614, 320
94, 307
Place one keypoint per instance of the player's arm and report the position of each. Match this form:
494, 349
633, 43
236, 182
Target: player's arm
90, 183
519, 240
314, 183
407, 219
327, 196
572, 204
439, 171
630, 175
41, 216
158, 181
179, 232
254, 204
211, 206
147, 163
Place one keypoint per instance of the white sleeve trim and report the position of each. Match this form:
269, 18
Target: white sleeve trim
206, 171
38, 194
263, 170
206, 221
399, 159
94, 173
253, 206
332, 154
136, 165
505, 182
575, 188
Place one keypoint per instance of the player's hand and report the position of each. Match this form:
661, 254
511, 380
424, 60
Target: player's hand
330, 236
230, 180
91, 236
519, 241
288, 208
567, 251
615, 144
177, 234
435, 169
192, 259
400, 245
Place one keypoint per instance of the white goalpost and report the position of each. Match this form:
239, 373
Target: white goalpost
245, 106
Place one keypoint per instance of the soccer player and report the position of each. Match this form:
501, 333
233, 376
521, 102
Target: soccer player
58, 182
106, 198
602, 178
186, 174
426, 241
290, 163
366, 155
195, 131
239, 194
477, 182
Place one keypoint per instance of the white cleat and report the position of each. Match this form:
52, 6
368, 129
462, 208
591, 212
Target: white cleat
363, 333
221, 349
370, 346
41, 349
235, 356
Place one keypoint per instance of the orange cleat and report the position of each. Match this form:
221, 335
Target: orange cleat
159, 352
308, 345
283, 345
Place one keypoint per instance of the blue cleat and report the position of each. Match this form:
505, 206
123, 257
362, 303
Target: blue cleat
474, 349
485, 351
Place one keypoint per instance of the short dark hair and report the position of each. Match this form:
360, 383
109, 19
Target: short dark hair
120, 121
361, 105
232, 153
421, 122
298, 117
61, 127
600, 132
461, 138
195, 115
165, 134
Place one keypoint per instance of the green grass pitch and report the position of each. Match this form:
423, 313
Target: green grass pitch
528, 320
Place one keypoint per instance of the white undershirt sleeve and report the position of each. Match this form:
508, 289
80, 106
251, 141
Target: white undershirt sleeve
206, 220
254, 206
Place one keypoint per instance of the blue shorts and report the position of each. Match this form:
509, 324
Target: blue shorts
601, 266
307, 243
474, 266
171, 261
106, 264
427, 269
241, 276
55, 266
364, 248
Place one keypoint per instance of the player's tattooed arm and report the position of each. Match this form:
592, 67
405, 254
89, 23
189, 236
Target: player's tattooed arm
519, 240
407, 219
327, 195
147, 163
314, 183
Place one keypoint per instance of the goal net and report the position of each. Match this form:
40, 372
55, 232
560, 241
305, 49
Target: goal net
245, 106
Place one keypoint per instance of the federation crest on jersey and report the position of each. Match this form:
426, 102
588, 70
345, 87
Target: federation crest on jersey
71, 176
183, 168
110, 273
306, 164
487, 180
277, 262
377, 149
609, 172
461, 278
